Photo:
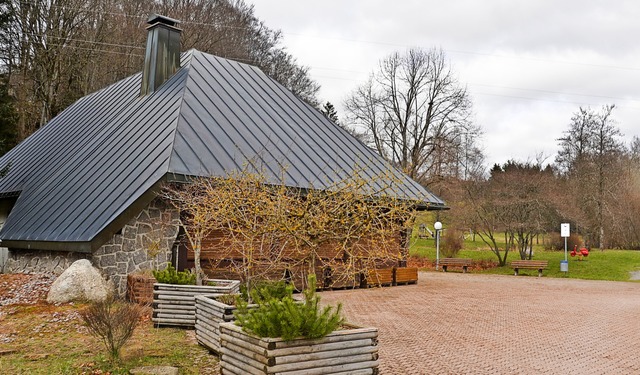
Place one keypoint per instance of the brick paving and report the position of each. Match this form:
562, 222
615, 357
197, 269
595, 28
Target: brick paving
455, 323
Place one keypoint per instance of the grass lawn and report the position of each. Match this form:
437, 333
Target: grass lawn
48, 339
599, 265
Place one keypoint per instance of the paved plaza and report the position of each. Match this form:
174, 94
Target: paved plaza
455, 323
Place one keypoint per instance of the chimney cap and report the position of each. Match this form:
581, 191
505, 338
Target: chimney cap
157, 18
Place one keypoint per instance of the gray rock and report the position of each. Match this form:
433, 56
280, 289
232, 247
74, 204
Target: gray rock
154, 370
80, 282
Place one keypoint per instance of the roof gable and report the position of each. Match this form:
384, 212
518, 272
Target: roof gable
233, 114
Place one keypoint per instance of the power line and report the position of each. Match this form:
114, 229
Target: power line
86, 41
376, 43
95, 50
547, 100
361, 41
555, 92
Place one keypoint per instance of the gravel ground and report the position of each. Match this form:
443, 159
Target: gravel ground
24, 288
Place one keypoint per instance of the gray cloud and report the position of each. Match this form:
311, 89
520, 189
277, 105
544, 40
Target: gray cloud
528, 64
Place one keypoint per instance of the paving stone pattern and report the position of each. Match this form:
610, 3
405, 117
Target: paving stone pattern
455, 323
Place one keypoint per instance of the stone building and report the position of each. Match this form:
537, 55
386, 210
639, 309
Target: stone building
85, 185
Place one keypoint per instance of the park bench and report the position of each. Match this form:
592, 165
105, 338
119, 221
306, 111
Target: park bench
455, 262
529, 264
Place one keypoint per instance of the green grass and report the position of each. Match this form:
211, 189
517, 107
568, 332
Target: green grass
599, 265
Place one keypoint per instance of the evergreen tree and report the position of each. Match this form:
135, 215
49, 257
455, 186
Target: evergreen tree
330, 111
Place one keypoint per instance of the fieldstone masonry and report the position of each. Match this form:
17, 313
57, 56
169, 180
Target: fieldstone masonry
144, 243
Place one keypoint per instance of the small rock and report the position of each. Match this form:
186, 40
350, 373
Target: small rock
154, 370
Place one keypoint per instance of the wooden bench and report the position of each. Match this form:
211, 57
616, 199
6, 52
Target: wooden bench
455, 262
529, 264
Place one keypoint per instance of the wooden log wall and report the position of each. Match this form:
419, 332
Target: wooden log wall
175, 305
209, 314
353, 351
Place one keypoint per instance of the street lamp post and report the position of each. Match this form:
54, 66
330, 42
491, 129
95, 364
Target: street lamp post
438, 227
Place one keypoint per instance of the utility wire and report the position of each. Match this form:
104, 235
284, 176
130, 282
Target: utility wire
87, 41
95, 50
361, 41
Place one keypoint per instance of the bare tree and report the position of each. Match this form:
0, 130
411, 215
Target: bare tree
413, 109
263, 229
54, 52
514, 203
589, 155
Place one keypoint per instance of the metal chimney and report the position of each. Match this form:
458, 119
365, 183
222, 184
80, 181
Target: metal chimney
162, 57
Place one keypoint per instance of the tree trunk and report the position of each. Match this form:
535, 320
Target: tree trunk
197, 250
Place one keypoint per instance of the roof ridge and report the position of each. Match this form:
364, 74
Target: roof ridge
187, 56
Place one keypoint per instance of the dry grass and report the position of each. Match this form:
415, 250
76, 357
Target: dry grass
48, 339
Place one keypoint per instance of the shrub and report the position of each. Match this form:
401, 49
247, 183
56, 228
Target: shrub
555, 242
113, 322
451, 243
263, 290
287, 318
228, 299
170, 276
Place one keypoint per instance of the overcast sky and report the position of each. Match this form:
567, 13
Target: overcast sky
528, 65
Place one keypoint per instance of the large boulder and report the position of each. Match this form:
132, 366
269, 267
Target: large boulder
80, 282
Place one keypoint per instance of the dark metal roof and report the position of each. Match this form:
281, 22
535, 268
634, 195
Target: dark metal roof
88, 165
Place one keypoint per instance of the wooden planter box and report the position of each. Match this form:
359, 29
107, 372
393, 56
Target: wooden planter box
175, 305
380, 277
404, 276
140, 288
350, 351
209, 314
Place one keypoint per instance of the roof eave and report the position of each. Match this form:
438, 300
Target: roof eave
79, 247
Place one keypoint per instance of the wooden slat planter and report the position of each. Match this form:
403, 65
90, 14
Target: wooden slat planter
350, 351
379, 277
209, 314
175, 305
404, 276
140, 288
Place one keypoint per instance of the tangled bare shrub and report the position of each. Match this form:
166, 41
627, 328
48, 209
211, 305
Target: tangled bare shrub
554, 242
451, 243
113, 322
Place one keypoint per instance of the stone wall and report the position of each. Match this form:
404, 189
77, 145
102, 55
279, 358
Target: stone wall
41, 261
144, 243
